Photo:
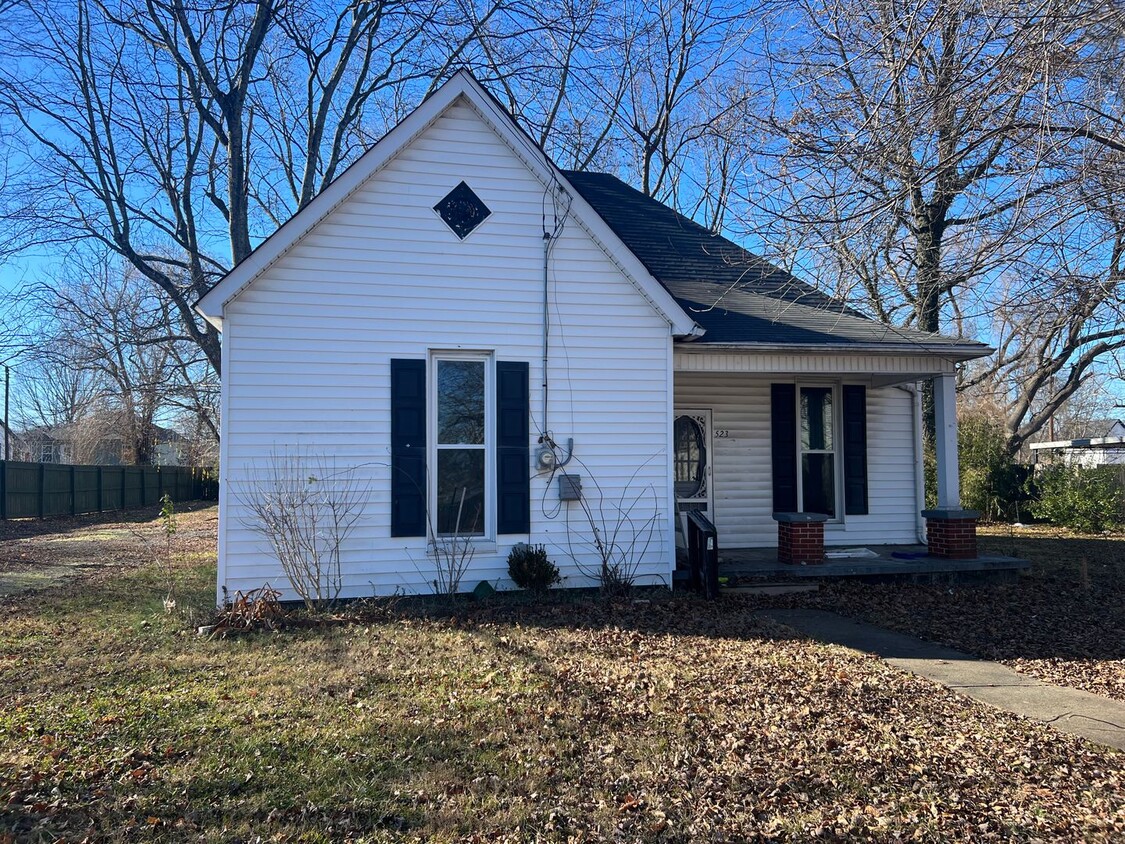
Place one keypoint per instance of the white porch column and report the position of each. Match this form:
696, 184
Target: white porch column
945, 417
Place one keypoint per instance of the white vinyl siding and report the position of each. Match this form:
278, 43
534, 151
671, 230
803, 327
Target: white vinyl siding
309, 345
742, 474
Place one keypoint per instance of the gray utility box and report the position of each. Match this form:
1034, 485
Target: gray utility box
570, 487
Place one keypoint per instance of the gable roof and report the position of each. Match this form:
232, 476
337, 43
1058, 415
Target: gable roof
736, 296
461, 87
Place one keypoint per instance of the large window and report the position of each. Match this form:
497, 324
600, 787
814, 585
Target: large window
817, 419
460, 437
462, 443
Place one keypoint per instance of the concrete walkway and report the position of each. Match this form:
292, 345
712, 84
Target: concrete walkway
1093, 717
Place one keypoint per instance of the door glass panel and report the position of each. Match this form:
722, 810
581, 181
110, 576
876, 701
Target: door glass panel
460, 399
691, 458
460, 490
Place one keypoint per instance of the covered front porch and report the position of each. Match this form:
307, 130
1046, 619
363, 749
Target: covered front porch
907, 562
795, 457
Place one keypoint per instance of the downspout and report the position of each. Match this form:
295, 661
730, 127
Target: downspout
919, 463
546, 326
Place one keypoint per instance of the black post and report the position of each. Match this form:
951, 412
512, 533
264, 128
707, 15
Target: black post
7, 430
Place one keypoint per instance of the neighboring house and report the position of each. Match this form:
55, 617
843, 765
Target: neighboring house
1106, 450
453, 301
44, 444
9, 443
95, 442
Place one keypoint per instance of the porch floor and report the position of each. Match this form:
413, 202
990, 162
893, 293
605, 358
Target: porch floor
755, 563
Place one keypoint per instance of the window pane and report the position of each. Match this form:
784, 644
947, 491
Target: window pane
460, 385
460, 471
818, 483
816, 419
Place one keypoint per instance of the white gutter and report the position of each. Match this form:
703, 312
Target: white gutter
951, 352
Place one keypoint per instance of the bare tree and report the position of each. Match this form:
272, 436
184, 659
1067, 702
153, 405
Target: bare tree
177, 134
919, 172
650, 91
97, 350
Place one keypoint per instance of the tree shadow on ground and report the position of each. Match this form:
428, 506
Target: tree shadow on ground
13, 529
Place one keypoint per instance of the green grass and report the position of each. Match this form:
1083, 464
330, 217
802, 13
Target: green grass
663, 721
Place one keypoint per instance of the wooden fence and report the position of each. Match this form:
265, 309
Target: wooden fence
36, 490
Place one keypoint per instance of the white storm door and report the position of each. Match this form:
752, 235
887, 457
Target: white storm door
691, 463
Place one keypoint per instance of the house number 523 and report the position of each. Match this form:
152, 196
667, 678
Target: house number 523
721, 433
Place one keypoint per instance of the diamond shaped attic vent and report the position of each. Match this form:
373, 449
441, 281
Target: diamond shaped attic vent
462, 210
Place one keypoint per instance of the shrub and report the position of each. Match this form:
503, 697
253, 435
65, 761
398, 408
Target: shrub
991, 480
529, 568
1088, 500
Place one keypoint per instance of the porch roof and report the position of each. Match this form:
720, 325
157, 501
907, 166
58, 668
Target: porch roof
739, 298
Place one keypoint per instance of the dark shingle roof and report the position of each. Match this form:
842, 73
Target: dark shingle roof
736, 296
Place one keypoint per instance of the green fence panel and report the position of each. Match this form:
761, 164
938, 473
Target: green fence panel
22, 489
177, 484
111, 488
56, 490
134, 494
29, 490
152, 485
85, 489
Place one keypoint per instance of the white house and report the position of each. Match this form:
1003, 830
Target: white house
1089, 452
454, 302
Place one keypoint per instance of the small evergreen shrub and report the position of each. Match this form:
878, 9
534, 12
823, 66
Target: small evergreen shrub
530, 569
1088, 500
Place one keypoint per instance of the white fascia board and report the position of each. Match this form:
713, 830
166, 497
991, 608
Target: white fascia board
211, 304
955, 353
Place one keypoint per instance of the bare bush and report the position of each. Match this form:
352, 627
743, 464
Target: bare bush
621, 530
450, 554
258, 609
305, 508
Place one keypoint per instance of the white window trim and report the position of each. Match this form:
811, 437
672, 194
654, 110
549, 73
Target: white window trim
837, 451
488, 359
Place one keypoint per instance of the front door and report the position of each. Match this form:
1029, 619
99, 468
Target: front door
691, 465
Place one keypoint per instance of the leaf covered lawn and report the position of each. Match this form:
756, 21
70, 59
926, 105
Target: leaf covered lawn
666, 720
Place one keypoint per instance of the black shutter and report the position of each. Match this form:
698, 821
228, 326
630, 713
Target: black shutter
513, 450
855, 450
408, 447
783, 429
